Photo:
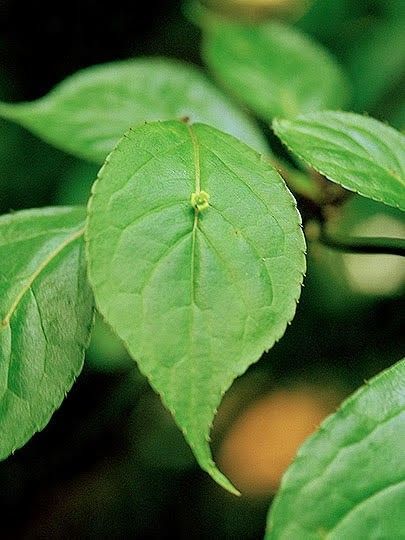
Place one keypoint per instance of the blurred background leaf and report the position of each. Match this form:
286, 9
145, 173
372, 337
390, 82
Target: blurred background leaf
88, 113
273, 69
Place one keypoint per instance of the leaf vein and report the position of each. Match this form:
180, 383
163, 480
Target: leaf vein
249, 243
6, 320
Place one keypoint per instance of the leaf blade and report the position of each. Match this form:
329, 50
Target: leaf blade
273, 69
348, 477
166, 276
88, 113
38, 249
360, 153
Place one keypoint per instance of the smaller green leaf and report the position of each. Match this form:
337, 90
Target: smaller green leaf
46, 309
274, 69
88, 113
348, 479
357, 152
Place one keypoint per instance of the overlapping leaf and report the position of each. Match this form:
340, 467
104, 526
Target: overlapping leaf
45, 317
89, 112
348, 480
196, 260
358, 152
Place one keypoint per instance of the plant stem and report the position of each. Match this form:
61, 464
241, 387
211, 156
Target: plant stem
379, 244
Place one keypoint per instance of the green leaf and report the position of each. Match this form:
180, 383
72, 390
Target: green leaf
196, 259
46, 312
357, 152
348, 479
273, 68
89, 112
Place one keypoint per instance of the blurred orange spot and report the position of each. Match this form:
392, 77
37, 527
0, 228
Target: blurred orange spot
262, 442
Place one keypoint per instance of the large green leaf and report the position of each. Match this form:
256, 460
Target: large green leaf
45, 317
273, 68
90, 111
196, 259
348, 480
356, 151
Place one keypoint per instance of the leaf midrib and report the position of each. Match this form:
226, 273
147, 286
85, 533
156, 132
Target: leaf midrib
197, 177
27, 286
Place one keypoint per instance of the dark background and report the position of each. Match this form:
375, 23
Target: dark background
111, 464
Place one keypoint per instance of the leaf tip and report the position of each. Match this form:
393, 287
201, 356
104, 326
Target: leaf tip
223, 481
